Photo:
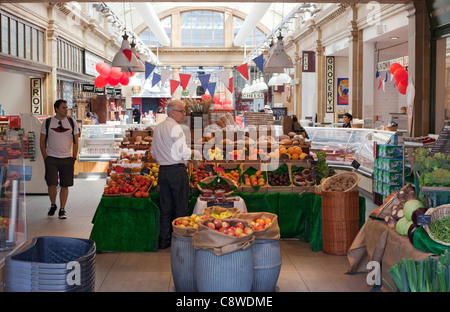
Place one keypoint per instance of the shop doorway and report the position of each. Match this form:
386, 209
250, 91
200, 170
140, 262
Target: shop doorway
149, 104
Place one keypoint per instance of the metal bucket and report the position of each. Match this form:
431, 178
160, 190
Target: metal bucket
182, 257
266, 264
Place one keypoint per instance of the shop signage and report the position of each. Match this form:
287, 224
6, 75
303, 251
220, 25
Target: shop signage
257, 95
439, 12
88, 88
36, 96
309, 61
90, 60
384, 66
329, 84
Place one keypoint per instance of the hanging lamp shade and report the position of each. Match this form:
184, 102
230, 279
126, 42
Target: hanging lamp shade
284, 78
271, 70
274, 80
279, 58
140, 65
125, 57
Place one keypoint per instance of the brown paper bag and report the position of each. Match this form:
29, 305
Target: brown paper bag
218, 210
219, 243
270, 232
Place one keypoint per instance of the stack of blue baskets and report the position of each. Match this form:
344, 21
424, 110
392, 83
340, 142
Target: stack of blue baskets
47, 265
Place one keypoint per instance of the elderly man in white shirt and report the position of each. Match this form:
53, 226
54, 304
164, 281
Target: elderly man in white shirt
171, 152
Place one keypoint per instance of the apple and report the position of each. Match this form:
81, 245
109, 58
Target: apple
211, 225
238, 231
223, 230
184, 222
239, 224
248, 230
225, 224
217, 223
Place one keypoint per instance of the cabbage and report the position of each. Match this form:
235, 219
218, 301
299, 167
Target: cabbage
410, 206
402, 226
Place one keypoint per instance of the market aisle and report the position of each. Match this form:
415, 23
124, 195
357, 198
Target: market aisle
303, 270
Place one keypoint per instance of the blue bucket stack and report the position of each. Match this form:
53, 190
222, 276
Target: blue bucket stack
52, 264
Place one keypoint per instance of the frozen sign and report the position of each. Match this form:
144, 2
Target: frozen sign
36, 96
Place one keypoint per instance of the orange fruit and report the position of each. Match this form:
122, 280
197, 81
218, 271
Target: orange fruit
283, 150
290, 150
295, 156
298, 150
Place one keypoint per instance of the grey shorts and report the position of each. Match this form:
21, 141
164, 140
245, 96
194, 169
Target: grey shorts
61, 168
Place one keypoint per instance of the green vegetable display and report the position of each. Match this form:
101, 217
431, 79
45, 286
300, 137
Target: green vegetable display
441, 229
426, 275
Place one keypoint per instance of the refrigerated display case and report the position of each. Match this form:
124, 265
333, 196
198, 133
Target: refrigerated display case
12, 196
100, 143
343, 145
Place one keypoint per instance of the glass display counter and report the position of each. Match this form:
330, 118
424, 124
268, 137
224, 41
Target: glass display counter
343, 145
100, 142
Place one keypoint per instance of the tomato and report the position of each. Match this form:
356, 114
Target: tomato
145, 194
137, 194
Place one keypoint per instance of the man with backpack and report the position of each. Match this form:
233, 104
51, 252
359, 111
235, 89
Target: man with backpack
59, 147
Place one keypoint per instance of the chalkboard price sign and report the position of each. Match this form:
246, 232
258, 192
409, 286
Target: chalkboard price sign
442, 144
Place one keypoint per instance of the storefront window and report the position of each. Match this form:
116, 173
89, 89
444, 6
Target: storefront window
5, 34
13, 37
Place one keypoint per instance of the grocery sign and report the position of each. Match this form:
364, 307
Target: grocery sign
330, 84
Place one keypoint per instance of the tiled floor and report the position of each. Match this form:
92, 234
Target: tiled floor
302, 270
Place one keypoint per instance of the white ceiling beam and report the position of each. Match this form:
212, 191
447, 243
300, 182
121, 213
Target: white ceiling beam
256, 13
149, 16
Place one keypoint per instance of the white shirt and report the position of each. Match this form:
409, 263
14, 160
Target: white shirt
60, 139
169, 143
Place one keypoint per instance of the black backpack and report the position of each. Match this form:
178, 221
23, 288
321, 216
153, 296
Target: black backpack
47, 126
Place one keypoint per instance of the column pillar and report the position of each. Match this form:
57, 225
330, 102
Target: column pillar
50, 83
298, 62
419, 65
320, 82
355, 71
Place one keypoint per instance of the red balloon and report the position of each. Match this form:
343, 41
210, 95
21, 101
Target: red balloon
112, 81
402, 87
218, 106
100, 82
227, 106
124, 80
216, 99
394, 67
129, 74
401, 75
103, 69
227, 101
116, 72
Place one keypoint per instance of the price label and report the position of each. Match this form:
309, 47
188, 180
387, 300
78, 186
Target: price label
145, 170
220, 204
423, 219
119, 169
127, 170
209, 168
355, 164
220, 169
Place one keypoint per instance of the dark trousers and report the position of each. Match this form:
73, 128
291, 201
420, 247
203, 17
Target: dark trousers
174, 199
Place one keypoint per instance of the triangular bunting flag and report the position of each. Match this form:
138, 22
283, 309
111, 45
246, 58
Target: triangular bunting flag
379, 84
149, 67
192, 88
184, 78
230, 85
243, 69
384, 81
378, 74
204, 80
174, 84
259, 61
211, 88
156, 79
224, 76
165, 73
128, 54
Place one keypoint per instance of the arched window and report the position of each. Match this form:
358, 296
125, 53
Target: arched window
150, 39
254, 37
202, 29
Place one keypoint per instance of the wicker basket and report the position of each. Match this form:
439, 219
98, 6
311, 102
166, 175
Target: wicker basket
208, 180
331, 179
121, 194
438, 213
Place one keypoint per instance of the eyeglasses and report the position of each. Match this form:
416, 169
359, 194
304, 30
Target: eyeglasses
179, 110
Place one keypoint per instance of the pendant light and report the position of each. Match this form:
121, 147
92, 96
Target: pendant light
125, 57
273, 81
284, 78
279, 57
134, 69
271, 70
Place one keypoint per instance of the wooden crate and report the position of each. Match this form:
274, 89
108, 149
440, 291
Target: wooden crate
257, 118
279, 188
215, 114
258, 166
231, 166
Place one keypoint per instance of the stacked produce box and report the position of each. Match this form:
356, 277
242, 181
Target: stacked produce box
388, 170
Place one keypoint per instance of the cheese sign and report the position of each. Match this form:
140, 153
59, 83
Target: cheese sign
36, 96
